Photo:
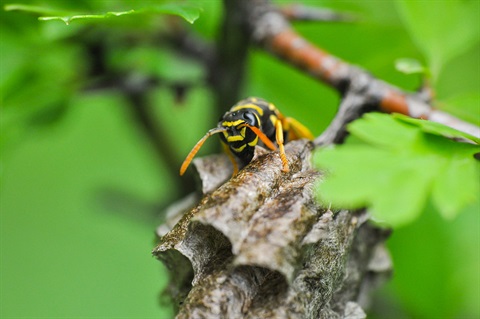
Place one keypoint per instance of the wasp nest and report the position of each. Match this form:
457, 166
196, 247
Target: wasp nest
260, 246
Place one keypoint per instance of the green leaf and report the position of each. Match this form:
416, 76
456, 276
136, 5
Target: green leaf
37, 10
187, 11
436, 128
394, 167
443, 29
455, 188
374, 124
410, 66
464, 105
402, 201
70, 18
354, 192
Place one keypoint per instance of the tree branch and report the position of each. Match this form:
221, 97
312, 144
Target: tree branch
272, 32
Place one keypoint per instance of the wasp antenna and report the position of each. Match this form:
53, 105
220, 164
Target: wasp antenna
262, 137
197, 147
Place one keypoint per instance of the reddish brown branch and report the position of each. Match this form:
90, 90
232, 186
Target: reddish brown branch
272, 31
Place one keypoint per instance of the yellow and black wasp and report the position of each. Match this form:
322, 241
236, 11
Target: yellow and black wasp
246, 123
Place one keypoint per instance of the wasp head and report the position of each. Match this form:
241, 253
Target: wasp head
238, 118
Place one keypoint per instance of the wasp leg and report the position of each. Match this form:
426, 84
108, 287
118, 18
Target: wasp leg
297, 128
279, 137
262, 137
232, 158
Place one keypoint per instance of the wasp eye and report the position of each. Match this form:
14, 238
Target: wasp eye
249, 118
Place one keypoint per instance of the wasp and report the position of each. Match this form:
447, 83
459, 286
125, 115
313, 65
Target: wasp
250, 122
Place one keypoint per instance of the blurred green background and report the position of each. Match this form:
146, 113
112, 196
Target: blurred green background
82, 189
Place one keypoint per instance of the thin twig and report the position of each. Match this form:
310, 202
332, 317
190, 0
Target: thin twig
156, 135
232, 49
189, 44
298, 12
